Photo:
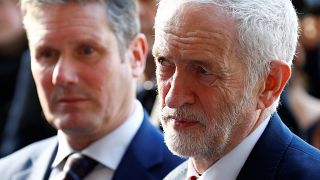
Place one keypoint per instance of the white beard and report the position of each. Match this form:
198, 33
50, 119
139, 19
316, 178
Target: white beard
207, 140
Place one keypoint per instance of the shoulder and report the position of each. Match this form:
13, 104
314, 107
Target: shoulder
23, 158
149, 150
170, 160
279, 154
149, 139
300, 161
296, 158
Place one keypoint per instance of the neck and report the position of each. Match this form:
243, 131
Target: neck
201, 164
238, 134
80, 139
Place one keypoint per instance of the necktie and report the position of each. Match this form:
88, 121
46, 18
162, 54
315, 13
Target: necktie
193, 178
77, 167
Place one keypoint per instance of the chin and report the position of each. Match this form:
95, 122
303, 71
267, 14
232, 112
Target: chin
181, 143
69, 122
205, 143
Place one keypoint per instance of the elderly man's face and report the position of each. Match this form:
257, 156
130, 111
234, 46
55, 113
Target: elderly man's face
200, 80
84, 86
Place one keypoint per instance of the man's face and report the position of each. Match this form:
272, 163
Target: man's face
201, 81
85, 88
10, 21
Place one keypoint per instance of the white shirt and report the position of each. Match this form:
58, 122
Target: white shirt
108, 150
229, 166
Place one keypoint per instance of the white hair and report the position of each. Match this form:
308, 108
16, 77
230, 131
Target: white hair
267, 30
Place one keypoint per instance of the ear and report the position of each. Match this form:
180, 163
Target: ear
274, 83
139, 50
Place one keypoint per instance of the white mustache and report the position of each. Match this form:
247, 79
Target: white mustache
183, 112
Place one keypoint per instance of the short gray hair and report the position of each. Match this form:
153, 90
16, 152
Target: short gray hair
122, 14
267, 30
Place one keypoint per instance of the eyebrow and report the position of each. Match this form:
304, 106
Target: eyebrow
160, 51
94, 42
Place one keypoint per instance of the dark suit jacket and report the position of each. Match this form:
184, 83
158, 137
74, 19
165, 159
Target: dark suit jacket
278, 154
147, 157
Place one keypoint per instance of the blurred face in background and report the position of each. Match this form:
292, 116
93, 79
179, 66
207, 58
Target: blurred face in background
310, 31
10, 22
147, 12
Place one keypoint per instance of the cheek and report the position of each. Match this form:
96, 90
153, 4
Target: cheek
43, 80
212, 101
44, 89
163, 89
97, 84
209, 103
99, 81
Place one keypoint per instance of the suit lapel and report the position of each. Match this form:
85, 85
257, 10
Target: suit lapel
40, 164
131, 168
264, 159
143, 153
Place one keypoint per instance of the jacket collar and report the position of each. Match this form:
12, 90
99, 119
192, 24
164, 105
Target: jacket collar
41, 162
142, 154
268, 151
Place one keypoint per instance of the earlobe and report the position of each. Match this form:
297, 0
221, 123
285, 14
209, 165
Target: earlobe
274, 83
139, 49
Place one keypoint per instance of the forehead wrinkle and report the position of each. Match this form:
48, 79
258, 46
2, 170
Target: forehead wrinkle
215, 48
53, 24
213, 44
51, 16
83, 23
45, 31
44, 28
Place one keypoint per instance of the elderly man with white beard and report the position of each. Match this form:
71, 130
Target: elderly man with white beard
221, 67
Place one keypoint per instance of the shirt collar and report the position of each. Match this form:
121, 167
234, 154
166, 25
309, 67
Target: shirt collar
229, 166
109, 149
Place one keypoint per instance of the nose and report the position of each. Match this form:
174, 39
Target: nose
65, 72
180, 91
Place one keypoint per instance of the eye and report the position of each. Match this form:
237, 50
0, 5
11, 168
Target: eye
203, 70
163, 61
165, 68
200, 70
86, 50
47, 54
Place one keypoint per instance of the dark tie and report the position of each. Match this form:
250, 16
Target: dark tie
77, 167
